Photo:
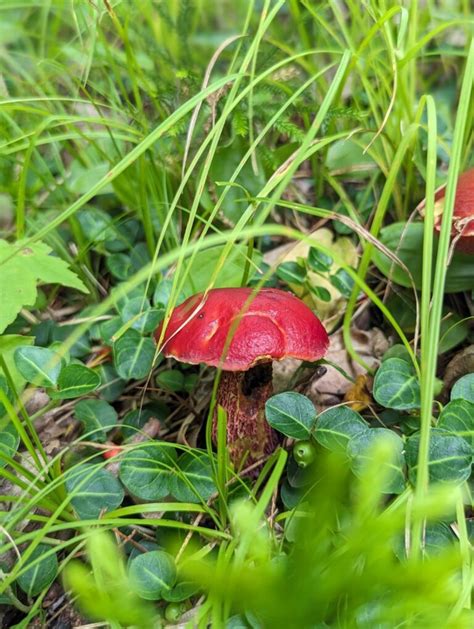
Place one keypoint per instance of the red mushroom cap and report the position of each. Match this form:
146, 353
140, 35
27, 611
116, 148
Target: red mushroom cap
273, 325
463, 215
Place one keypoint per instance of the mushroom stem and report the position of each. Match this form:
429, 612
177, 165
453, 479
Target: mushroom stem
243, 395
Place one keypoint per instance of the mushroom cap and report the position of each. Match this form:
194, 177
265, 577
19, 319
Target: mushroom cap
236, 328
463, 214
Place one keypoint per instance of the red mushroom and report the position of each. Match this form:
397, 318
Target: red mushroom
242, 331
462, 229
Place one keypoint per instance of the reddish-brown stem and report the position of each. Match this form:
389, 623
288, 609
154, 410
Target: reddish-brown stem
243, 395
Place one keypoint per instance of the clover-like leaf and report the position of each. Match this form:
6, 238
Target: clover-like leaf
396, 385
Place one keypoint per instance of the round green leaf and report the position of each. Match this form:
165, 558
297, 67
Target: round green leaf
133, 355
42, 572
291, 413
450, 457
38, 365
170, 380
336, 426
291, 273
75, 380
396, 385
153, 574
94, 490
147, 471
97, 416
359, 449
193, 480
457, 418
464, 388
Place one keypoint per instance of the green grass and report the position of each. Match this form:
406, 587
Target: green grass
119, 118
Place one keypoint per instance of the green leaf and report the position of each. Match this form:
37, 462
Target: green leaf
181, 592
454, 330
94, 490
75, 380
337, 426
318, 261
343, 282
133, 355
291, 413
38, 365
359, 449
291, 273
147, 471
464, 388
229, 271
134, 420
21, 269
450, 457
119, 265
97, 417
9, 395
170, 380
396, 385
320, 292
162, 294
112, 385
105, 591
406, 241
457, 418
107, 329
223, 169
193, 480
9, 343
153, 574
9, 442
96, 224
145, 319
41, 573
